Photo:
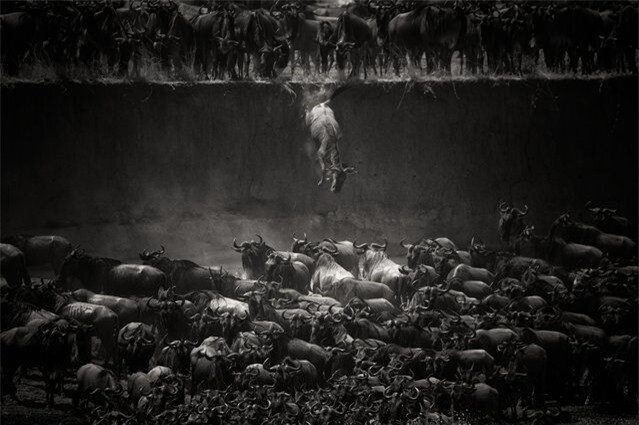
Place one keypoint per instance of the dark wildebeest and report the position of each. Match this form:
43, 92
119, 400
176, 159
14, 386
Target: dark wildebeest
262, 39
511, 222
13, 265
355, 41
215, 33
302, 34
20, 33
254, 256
185, 275
79, 270
42, 250
45, 346
607, 220
326, 39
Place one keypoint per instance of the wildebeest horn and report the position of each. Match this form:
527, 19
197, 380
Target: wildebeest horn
304, 240
404, 269
416, 390
503, 207
291, 364
261, 242
267, 407
520, 212
239, 248
329, 251
144, 255
127, 338
382, 246
362, 246
405, 245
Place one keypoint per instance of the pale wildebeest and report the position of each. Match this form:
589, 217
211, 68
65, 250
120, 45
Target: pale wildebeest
326, 133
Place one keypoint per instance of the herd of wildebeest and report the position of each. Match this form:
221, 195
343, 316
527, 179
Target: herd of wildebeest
220, 39
334, 331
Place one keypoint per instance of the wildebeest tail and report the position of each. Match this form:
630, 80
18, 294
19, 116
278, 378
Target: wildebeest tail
339, 90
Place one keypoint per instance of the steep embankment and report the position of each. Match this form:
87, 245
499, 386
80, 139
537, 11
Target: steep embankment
121, 167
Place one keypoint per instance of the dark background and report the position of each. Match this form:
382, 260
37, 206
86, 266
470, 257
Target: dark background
122, 167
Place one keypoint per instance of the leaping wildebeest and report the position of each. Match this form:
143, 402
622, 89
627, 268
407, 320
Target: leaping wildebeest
326, 133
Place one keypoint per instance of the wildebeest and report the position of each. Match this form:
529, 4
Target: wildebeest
45, 346
355, 41
185, 275
42, 250
614, 245
127, 310
93, 380
215, 33
326, 134
377, 267
292, 274
13, 266
254, 256
136, 343
133, 279
262, 40
80, 270
511, 222
20, 33
607, 220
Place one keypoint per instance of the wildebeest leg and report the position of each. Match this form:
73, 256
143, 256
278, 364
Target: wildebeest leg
629, 55
292, 61
341, 64
324, 164
356, 62
206, 51
323, 58
447, 58
306, 62
397, 57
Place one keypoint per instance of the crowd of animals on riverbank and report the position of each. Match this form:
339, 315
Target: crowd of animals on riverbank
202, 40
335, 331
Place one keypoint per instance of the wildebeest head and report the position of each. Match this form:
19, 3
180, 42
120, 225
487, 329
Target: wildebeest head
147, 256
417, 254
559, 226
338, 174
138, 343
254, 256
299, 245
176, 354
600, 214
281, 51
325, 34
421, 276
297, 322
362, 248
511, 221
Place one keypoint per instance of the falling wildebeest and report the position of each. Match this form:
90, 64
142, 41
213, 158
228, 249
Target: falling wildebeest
326, 133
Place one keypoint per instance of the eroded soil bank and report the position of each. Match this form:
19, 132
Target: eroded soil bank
122, 167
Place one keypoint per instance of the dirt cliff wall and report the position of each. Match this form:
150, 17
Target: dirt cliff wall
121, 167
